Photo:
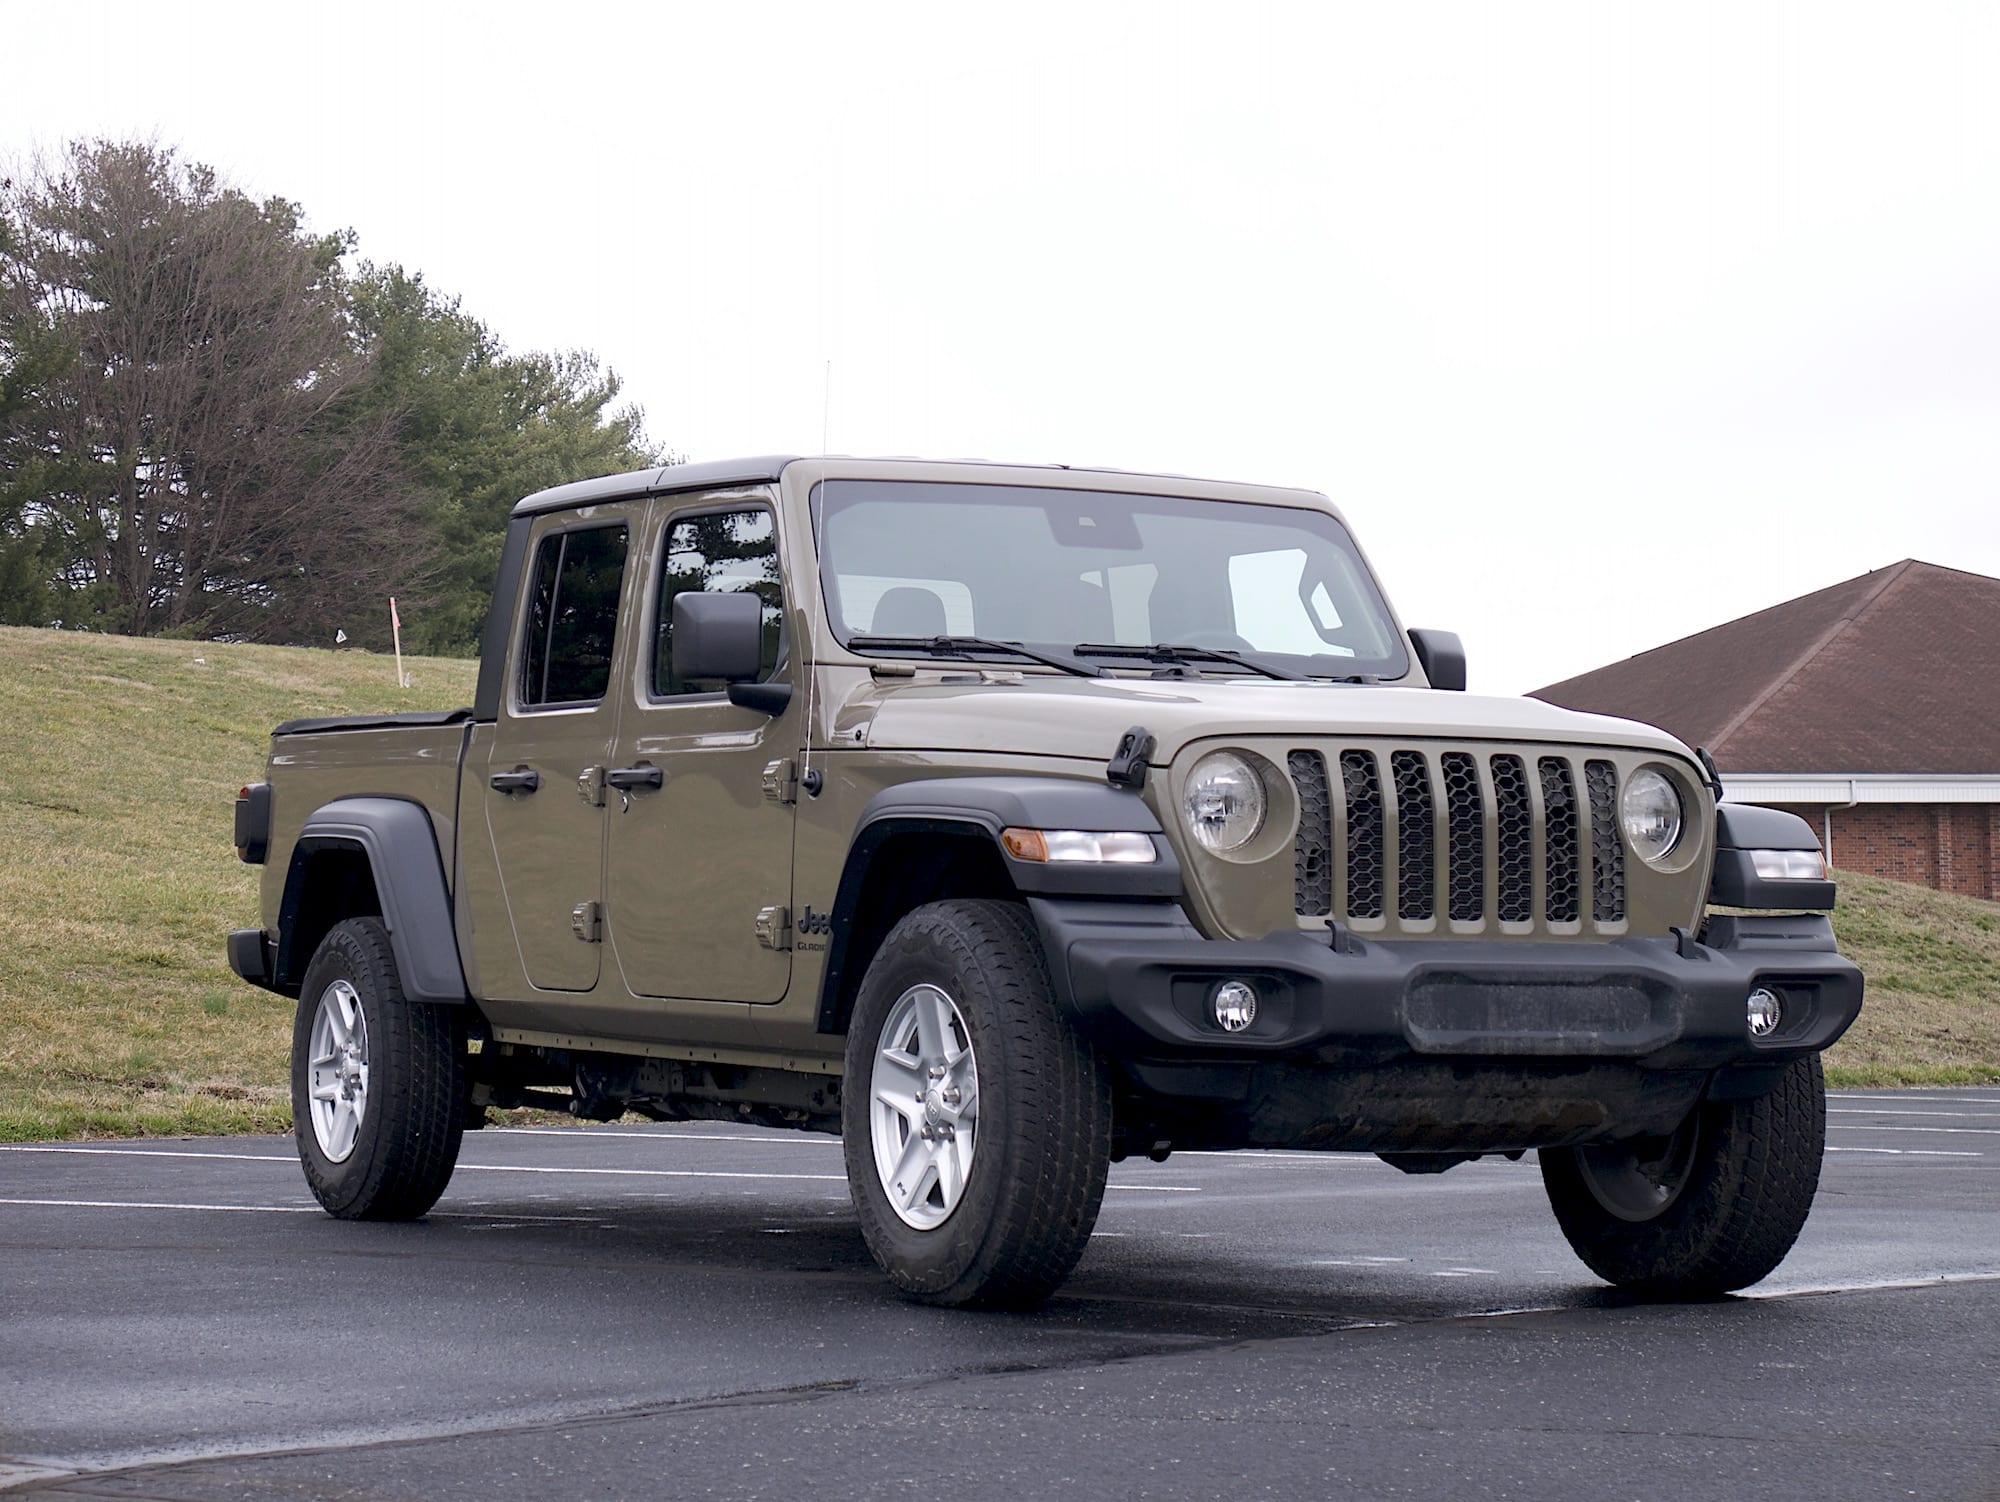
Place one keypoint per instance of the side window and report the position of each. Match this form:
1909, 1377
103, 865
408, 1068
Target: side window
572, 616
723, 552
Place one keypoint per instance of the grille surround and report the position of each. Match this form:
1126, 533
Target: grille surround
1422, 840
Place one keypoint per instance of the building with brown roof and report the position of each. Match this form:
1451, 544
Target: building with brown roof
1872, 708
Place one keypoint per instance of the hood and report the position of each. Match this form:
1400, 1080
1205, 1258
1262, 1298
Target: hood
1083, 717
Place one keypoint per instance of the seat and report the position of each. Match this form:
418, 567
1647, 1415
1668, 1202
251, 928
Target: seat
908, 610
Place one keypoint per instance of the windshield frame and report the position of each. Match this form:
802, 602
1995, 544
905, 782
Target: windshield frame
1396, 664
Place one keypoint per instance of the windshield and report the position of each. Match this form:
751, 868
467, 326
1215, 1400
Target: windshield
1067, 569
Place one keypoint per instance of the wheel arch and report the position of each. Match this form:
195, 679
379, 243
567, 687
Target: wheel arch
922, 841
372, 857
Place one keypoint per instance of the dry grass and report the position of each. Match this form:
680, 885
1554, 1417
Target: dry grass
1932, 1016
119, 762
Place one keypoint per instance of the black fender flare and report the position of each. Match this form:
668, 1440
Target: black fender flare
396, 838
1743, 827
980, 808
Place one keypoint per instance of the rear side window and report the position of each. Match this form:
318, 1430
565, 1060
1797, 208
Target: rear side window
722, 552
572, 616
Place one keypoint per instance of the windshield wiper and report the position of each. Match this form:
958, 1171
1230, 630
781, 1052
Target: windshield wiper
1170, 652
961, 646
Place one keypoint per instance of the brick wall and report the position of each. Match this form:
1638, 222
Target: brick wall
1954, 847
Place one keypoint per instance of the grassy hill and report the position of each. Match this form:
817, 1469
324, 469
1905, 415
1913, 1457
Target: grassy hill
119, 762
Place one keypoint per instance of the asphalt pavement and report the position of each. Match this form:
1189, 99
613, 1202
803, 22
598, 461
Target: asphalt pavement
688, 1311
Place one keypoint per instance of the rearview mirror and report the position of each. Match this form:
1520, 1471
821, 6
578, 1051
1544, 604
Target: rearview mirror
1442, 655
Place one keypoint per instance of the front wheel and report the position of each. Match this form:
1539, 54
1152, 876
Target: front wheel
977, 1123
1711, 1208
378, 1081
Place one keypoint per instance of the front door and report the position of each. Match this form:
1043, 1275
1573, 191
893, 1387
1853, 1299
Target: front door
694, 861
543, 786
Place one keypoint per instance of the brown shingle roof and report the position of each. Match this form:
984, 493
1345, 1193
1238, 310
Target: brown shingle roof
1896, 671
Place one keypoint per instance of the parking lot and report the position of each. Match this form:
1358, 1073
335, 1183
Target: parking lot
689, 1311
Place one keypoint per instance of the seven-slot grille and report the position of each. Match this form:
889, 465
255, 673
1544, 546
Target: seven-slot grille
1433, 839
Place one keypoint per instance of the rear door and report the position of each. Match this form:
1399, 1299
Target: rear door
543, 784
700, 847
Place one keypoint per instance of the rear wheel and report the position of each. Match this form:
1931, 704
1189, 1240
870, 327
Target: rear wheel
1714, 1206
378, 1082
977, 1123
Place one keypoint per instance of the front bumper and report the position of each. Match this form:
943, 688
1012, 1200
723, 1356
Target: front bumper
1439, 1051
1140, 979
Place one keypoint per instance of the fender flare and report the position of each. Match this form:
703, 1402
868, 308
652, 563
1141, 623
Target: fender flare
980, 808
396, 838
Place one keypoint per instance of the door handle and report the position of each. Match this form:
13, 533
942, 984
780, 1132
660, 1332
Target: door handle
515, 782
632, 779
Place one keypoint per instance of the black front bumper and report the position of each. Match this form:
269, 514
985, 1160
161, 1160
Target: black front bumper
1436, 1047
1141, 980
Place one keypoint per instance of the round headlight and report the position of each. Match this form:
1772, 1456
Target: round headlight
1224, 801
1651, 809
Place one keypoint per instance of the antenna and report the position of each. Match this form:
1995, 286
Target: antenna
818, 513
825, 407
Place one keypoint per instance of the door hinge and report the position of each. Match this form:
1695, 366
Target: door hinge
781, 781
585, 920
774, 927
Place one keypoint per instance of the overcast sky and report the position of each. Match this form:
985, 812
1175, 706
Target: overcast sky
1603, 323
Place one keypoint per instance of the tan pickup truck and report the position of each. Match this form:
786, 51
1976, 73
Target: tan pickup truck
1009, 821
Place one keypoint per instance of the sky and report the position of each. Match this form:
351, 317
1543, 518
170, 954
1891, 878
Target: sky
1602, 323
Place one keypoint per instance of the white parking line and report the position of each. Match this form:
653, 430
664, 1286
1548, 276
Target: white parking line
1942, 1100
1957, 1131
588, 1134
640, 1173
1946, 1115
1908, 1152
494, 1215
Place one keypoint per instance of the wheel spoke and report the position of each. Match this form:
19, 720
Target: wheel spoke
898, 1080
341, 1130
933, 1023
325, 1092
952, 1164
911, 1179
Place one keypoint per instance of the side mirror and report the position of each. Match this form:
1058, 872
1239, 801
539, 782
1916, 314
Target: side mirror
721, 636
718, 636
1442, 656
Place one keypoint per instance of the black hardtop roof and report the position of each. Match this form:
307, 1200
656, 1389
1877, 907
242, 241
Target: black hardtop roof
648, 481
766, 469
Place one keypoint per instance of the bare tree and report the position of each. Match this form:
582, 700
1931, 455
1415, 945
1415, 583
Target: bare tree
205, 464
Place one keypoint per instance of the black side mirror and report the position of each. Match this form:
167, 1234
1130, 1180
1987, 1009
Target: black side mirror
721, 636
1442, 655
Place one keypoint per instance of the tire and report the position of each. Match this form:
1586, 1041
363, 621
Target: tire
383, 1143
1023, 1112
1709, 1210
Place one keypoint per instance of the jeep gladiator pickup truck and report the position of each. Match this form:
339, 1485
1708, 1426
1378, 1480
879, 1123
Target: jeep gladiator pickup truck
1009, 821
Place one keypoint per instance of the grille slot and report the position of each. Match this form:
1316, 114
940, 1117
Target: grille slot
1365, 836
1416, 836
1312, 856
1562, 857
1465, 826
1607, 850
1515, 897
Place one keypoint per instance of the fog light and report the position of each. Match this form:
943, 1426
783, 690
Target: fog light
1766, 1011
1235, 1005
